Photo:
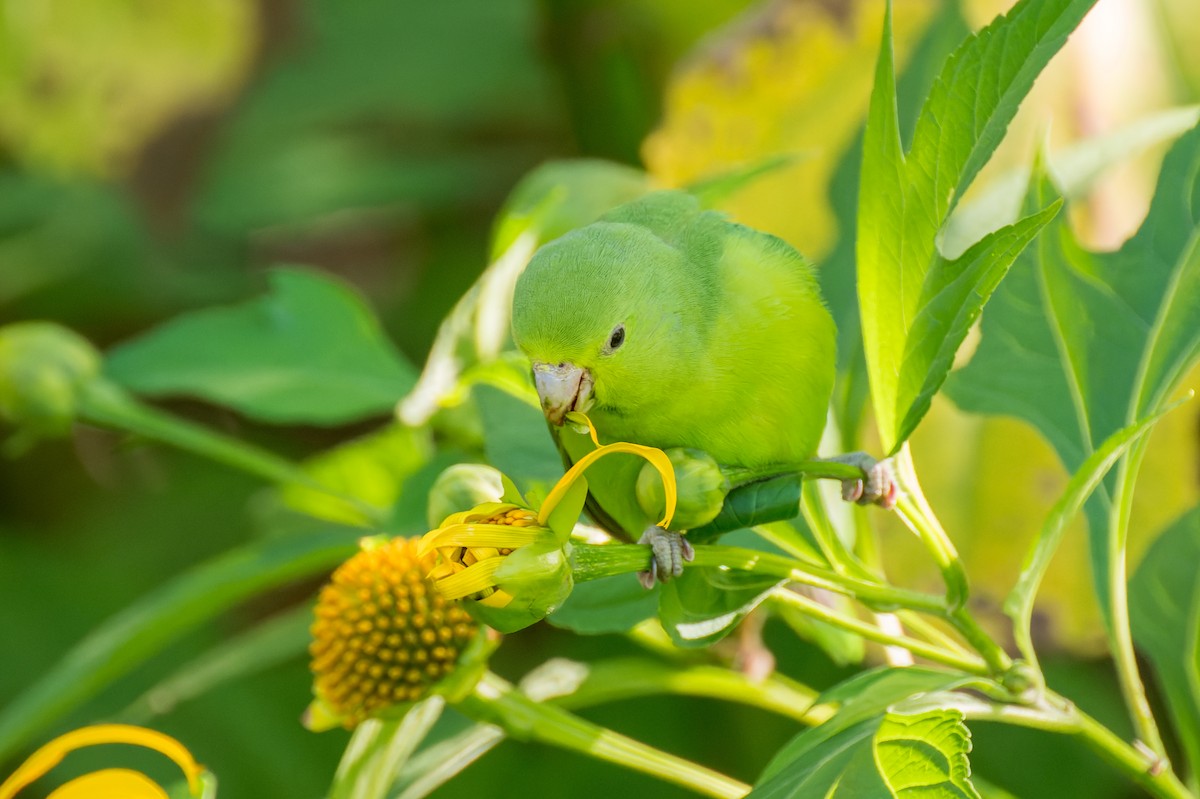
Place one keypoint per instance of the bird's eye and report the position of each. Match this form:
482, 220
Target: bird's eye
616, 338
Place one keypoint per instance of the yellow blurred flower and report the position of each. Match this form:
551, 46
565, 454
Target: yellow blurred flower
114, 783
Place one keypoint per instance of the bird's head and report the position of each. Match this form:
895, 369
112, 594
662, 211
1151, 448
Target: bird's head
601, 313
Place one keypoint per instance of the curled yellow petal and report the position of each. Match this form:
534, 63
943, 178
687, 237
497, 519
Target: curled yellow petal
504, 536
471, 580
50, 755
656, 457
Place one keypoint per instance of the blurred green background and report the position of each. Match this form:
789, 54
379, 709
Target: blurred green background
160, 155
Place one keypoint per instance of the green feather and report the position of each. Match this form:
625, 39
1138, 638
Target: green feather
728, 346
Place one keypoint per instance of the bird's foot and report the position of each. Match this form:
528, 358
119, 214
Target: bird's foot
878, 484
668, 552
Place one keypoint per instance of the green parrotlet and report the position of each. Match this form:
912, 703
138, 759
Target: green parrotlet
673, 327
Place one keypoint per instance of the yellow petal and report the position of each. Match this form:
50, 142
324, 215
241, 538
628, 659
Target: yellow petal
657, 458
480, 511
50, 755
502, 536
113, 783
470, 580
497, 599
320, 716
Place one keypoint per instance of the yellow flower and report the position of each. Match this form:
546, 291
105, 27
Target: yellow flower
382, 636
510, 561
109, 783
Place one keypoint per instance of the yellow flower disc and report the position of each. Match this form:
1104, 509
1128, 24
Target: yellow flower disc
382, 635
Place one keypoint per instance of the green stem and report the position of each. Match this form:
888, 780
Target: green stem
496, 701
1119, 631
629, 678
967, 663
1057, 714
106, 405
590, 562
815, 514
915, 512
1152, 773
930, 632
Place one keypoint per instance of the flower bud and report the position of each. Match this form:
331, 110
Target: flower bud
43, 368
463, 485
700, 484
510, 570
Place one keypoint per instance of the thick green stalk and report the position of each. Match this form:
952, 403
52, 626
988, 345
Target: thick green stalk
1058, 714
915, 512
498, 702
810, 607
1152, 773
107, 405
1119, 631
590, 562
628, 678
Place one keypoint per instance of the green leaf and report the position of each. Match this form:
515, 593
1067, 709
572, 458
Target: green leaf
516, 440
379, 750
916, 305
310, 352
153, 622
372, 469
608, 605
1083, 344
956, 293
842, 767
1164, 607
1075, 169
921, 756
925, 756
837, 272
862, 698
774, 499
702, 606
433, 767
1019, 603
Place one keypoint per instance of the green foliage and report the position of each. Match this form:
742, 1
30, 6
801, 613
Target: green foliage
704, 605
1164, 606
146, 627
867, 750
614, 604
917, 305
310, 351
370, 129
1081, 344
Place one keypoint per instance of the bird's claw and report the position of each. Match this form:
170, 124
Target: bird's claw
878, 484
669, 550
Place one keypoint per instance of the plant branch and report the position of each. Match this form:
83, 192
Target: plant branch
106, 405
1119, 632
810, 607
498, 702
591, 562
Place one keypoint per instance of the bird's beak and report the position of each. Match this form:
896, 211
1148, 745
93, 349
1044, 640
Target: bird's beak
562, 388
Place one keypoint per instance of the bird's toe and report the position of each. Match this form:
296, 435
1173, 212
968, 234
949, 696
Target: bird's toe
669, 550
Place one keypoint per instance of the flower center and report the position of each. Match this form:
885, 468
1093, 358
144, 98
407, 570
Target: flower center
382, 635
